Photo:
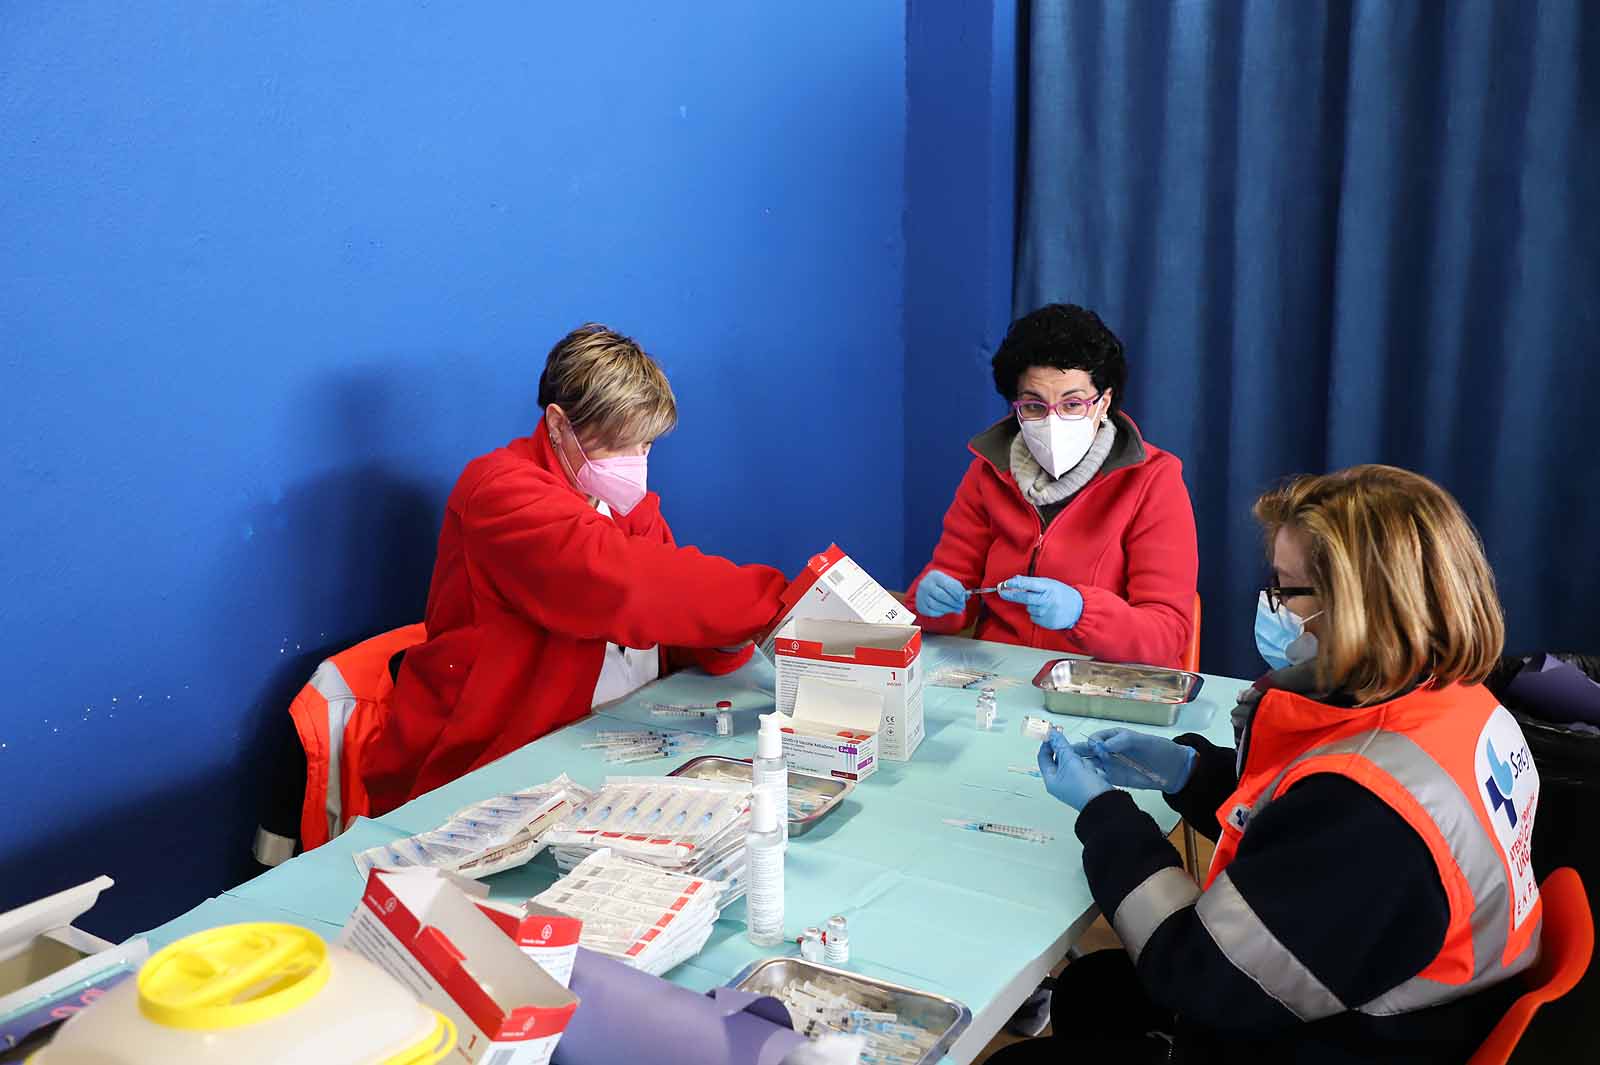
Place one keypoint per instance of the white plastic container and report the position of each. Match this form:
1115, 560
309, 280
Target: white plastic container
254, 994
764, 874
768, 769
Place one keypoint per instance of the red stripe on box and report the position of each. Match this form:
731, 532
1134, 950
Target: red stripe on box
442, 961
534, 1022
900, 658
502, 920
815, 568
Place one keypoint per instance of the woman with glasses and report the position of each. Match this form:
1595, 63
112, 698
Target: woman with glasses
1069, 531
1372, 895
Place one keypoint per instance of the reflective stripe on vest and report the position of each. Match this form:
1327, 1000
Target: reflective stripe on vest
330, 684
1141, 911
1249, 944
1240, 934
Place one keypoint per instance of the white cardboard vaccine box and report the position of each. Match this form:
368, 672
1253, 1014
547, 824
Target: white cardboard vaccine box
548, 936
834, 586
886, 659
424, 927
833, 730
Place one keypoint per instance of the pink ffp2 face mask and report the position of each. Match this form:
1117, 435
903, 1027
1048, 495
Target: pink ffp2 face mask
619, 481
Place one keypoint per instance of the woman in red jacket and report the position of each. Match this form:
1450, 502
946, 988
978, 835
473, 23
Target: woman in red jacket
558, 582
1086, 528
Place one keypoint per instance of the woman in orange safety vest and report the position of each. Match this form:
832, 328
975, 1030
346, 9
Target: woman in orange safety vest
1371, 893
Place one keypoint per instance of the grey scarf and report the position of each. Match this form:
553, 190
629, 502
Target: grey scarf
1043, 490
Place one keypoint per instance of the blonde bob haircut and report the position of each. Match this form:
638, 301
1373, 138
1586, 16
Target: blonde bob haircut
1402, 574
612, 392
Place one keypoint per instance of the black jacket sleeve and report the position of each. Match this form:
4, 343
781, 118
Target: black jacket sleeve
1332, 872
1211, 781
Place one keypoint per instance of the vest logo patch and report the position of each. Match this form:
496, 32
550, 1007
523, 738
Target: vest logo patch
1508, 786
1502, 783
1239, 816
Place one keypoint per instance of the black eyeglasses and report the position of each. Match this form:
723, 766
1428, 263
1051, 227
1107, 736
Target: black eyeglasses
1276, 594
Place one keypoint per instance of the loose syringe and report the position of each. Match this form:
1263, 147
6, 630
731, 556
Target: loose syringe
995, 828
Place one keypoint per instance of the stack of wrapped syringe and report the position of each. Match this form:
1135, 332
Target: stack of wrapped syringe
679, 825
636, 913
487, 837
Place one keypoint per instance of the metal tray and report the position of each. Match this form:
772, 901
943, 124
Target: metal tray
926, 1010
828, 791
1146, 695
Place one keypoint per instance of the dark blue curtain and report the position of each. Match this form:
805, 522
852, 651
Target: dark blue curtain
1334, 233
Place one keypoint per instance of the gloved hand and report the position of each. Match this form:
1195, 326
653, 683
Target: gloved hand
940, 594
1131, 759
1050, 604
1072, 779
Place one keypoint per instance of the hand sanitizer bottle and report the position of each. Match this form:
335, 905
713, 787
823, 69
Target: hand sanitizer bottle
764, 848
769, 769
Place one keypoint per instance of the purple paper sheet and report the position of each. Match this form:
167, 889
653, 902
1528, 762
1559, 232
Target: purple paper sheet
628, 1016
1556, 691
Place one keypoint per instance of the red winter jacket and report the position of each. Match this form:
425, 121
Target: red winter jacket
1126, 541
530, 584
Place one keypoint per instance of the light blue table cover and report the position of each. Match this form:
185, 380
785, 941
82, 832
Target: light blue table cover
931, 906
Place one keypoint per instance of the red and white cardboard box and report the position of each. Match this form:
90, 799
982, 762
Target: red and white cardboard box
886, 659
421, 927
833, 731
833, 586
548, 936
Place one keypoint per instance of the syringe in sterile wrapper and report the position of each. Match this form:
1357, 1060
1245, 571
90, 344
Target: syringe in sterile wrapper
689, 709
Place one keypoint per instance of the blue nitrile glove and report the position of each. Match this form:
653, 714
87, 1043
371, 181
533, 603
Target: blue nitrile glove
1131, 759
1050, 604
1073, 780
940, 594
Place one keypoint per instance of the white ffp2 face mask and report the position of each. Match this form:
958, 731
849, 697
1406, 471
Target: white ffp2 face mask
1058, 444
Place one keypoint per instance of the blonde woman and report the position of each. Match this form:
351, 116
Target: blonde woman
558, 584
1371, 894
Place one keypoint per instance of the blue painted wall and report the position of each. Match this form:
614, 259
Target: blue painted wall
961, 175
269, 277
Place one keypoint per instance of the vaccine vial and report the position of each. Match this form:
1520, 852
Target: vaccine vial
1035, 728
837, 942
811, 944
986, 709
724, 723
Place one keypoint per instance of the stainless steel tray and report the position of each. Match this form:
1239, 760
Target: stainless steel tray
926, 1010
826, 792
1146, 695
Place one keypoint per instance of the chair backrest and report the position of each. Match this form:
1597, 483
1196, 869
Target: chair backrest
1191, 655
1567, 945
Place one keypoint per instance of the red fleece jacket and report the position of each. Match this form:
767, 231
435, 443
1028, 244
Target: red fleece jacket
530, 585
1126, 541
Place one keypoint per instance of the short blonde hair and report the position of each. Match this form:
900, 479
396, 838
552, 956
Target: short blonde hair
1401, 571
608, 387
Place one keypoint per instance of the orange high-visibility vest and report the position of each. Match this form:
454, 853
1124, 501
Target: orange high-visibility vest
1451, 761
336, 714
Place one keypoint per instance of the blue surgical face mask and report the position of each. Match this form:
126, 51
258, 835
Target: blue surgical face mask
1281, 635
